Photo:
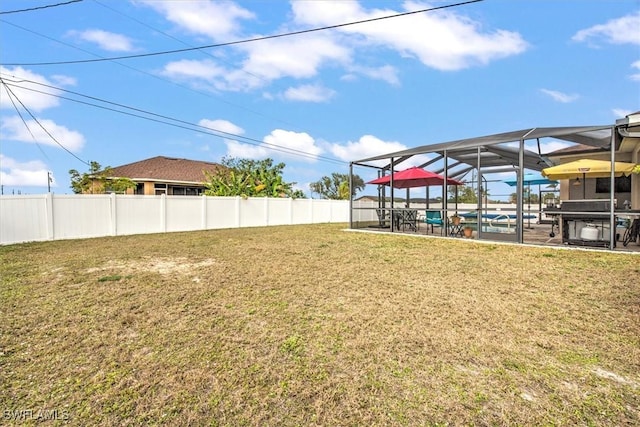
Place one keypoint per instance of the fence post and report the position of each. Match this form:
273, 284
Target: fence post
48, 200
163, 212
290, 210
238, 212
114, 218
203, 221
331, 203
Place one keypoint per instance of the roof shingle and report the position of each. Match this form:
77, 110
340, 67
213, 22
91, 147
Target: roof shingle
162, 168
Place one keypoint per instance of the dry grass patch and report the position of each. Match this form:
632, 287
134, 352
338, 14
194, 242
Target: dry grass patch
311, 325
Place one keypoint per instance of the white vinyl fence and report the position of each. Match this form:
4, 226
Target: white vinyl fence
54, 217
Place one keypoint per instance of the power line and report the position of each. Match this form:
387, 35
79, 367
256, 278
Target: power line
255, 39
15, 107
144, 24
40, 7
148, 74
38, 122
159, 118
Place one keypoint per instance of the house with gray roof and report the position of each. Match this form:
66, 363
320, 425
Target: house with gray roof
166, 175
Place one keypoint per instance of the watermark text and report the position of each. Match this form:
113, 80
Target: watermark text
35, 415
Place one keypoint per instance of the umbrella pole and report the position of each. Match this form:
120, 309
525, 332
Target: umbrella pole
427, 197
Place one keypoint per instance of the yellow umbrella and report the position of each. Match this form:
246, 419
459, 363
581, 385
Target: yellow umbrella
587, 168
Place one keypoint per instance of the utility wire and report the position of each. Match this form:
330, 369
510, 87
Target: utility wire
40, 7
163, 119
148, 74
144, 24
255, 39
38, 122
249, 140
12, 99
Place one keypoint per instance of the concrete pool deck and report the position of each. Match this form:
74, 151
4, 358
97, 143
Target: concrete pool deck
535, 234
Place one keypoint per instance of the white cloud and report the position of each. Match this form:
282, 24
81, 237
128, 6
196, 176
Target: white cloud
620, 113
636, 76
304, 187
62, 80
386, 73
366, 146
23, 174
222, 126
309, 93
298, 57
624, 30
207, 74
276, 144
443, 40
19, 77
196, 72
105, 40
13, 129
217, 20
560, 96
245, 151
350, 77
300, 142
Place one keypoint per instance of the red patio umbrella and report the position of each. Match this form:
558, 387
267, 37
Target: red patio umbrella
414, 177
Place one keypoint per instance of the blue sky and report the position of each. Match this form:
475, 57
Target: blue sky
322, 98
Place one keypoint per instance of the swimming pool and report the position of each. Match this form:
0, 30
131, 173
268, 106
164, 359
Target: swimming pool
497, 222
488, 228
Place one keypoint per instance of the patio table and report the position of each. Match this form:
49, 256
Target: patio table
455, 230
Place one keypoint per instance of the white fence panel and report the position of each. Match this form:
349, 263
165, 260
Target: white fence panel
183, 213
222, 212
49, 216
139, 215
252, 212
339, 210
278, 211
322, 211
81, 216
24, 218
301, 211
364, 211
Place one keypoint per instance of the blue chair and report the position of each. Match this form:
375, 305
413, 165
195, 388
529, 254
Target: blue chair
434, 218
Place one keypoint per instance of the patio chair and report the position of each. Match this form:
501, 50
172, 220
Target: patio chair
383, 217
434, 218
409, 218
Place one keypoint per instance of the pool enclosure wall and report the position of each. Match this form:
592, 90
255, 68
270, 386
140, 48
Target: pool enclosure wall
513, 153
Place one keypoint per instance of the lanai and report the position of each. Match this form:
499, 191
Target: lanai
503, 152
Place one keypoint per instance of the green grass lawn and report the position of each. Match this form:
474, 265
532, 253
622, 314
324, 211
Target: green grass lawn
312, 325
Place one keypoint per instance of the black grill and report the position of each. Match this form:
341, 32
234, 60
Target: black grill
577, 214
602, 206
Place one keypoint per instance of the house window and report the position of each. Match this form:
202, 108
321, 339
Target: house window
185, 191
139, 188
178, 191
622, 185
160, 189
